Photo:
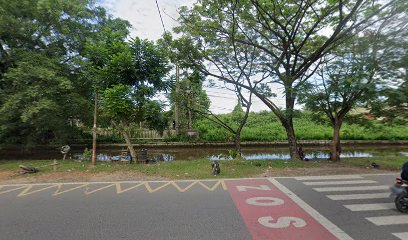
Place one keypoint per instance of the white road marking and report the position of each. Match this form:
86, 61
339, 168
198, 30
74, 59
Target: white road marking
389, 220
282, 222
370, 207
401, 235
336, 231
338, 182
331, 177
359, 196
344, 189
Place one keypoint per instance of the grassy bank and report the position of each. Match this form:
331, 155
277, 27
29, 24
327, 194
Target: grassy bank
201, 169
265, 126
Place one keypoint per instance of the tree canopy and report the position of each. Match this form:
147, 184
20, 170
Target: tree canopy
41, 46
291, 37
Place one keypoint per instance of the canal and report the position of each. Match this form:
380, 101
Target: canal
174, 153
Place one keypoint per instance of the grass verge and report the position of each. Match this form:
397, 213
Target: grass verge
201, 169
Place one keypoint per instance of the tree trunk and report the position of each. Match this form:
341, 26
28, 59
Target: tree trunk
126, 136
287, 120
237, 143
237, 140
292, 141
335, 148
129, 145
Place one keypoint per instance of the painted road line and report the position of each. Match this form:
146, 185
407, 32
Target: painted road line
333, 177
98, 189
91, 188
401, 235
344, 189
180, 189
59, 192
152, 190
340, 234
270, 214
215, 186
338, 182
359, 196
12, 190
28, 192
389, 220
119, 189
370, 207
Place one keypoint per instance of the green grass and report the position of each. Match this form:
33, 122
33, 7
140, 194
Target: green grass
264, 126
387, 163
201, 169
191, 169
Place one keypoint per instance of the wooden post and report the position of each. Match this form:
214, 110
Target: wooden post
54, 167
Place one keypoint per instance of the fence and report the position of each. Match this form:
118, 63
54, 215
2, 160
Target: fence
139, 134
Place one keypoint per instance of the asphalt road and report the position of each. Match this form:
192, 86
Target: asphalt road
279, 208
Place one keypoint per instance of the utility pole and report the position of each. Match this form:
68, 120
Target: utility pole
190, 94
176, 103
94, 129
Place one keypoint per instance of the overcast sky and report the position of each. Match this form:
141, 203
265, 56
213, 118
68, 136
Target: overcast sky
145, 20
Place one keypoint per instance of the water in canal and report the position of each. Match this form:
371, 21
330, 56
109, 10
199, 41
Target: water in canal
211, 153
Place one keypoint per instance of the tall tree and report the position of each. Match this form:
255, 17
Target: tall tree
392, 102
109, 42
232, 62
348, 79
354, 74
41, 89
132, 73
291, 37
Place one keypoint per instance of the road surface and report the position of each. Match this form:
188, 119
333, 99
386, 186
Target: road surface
314, 207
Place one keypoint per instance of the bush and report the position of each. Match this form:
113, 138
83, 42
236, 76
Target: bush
87, 154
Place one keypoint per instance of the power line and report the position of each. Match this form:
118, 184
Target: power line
220, 93
221, 108
158, 9
232, 98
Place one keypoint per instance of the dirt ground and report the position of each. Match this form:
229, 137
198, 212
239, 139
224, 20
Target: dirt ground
6, 177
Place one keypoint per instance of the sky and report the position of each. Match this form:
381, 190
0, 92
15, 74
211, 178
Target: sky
144, 17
